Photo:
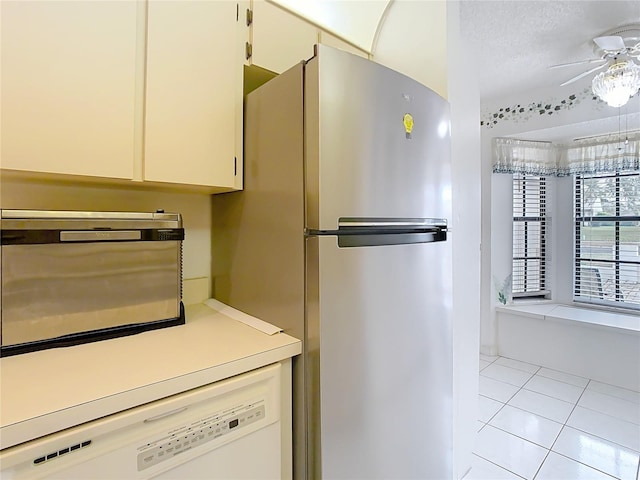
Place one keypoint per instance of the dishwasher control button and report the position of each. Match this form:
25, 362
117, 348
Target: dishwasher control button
200, 432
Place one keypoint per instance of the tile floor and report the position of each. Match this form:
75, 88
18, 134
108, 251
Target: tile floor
537, 423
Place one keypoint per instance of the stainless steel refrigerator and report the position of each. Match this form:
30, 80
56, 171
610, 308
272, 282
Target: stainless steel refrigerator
340, 237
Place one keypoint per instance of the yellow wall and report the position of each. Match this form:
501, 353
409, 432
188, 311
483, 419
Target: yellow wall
48, 194
412, 39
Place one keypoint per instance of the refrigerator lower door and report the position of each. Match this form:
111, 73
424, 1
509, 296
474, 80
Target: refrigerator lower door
380, 351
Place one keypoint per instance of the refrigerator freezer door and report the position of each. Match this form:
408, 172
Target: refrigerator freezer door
377, 143
379, 329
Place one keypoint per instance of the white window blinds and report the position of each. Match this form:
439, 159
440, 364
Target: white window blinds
529, 236
607, 239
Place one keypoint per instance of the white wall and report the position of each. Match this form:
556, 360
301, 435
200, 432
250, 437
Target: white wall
500, 247
464, 98
606, 354
496, 190
562, 240
63, 195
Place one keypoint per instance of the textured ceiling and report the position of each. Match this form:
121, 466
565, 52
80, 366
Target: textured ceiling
514, 41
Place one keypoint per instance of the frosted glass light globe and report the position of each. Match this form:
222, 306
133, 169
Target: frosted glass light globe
618, 84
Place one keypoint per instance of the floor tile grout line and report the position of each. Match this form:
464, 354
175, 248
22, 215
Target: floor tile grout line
536, 374
502, 381
637, 452
537, 415
635, 404
497, 411
601, 412
614, 386
531, 378
549, 450
516, 368
559, 399
513, 395
490, 361
607, 415
498, 465
550, 396
512, 368
576, 404
562, 381
589, 380
518, 436
522, 387
587, 465
591, 433
541, 464
563, 424
560, 432
503, 403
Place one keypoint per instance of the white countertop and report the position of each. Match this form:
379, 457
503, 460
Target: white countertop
47, 391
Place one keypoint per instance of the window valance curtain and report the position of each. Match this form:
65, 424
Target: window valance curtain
612, 153
525, 157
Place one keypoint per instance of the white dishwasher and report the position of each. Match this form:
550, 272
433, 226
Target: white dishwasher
230, 429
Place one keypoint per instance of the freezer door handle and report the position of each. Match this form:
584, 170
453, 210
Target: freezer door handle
391, 223
371, 239
369, 232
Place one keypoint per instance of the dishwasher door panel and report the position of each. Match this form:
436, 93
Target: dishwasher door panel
230, 429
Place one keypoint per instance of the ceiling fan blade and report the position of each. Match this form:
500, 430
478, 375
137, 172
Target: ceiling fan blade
611, 43
581, 62
583, 74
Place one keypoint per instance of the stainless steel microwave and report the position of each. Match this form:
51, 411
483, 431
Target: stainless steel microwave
73, 277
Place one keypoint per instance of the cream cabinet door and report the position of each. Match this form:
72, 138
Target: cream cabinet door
279, 39
68, 86
193, 111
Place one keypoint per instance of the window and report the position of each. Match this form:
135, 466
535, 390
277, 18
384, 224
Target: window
529, 236
607, 239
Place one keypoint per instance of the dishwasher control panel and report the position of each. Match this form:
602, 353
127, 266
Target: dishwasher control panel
198, 432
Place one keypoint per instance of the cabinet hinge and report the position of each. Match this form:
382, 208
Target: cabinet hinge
235, 166
248, 50
249, 17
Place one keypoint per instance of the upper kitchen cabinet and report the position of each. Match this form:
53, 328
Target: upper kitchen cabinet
193, 112
326, 38
279, 39
68, 87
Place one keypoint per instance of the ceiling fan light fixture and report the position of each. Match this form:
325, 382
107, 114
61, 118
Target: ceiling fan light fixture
618, 83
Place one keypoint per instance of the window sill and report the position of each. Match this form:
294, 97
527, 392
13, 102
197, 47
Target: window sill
623, 323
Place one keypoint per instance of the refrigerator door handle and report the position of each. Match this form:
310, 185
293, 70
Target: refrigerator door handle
376, 232
391, 223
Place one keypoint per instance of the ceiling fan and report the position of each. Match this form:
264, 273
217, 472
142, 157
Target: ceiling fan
619, 51
621, 42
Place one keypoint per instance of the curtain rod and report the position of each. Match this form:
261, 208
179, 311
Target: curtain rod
522, 140
626, 132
